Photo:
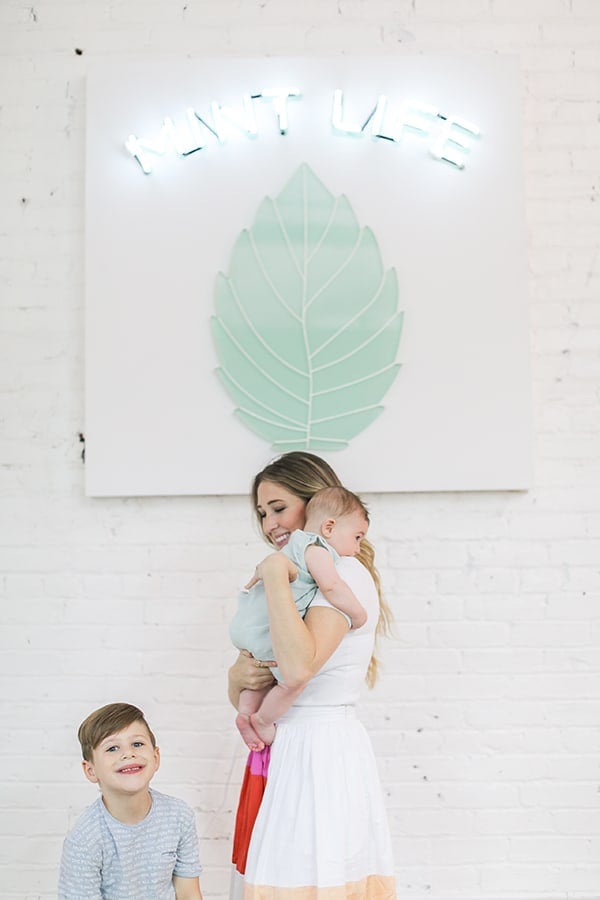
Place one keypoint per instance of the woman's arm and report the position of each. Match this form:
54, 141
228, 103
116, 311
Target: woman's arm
301, 645
250, 674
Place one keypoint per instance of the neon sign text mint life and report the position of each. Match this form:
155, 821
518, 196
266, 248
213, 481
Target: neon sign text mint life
447, 136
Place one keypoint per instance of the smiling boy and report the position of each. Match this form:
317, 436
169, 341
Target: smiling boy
133, 843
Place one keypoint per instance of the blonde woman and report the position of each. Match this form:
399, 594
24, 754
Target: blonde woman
321, 825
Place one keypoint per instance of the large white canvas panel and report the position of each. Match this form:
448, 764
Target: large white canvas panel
457, 416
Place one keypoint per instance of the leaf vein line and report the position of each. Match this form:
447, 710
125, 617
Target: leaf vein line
350, 412
336, 442
267, 277
338, 272
286, 237
268, 409
252, 415
348, 384
255, 365
326, 230
360, 347
357, 315
258, 335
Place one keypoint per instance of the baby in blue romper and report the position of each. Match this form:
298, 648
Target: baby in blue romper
336, 522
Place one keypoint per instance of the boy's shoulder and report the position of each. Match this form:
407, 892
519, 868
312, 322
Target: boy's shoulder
170, 814
165, 803
85, 830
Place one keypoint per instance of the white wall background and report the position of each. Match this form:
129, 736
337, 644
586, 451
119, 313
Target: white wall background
486, 720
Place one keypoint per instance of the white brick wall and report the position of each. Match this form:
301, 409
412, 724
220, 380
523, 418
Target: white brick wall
486, 719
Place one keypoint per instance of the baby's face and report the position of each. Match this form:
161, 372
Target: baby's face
348, 532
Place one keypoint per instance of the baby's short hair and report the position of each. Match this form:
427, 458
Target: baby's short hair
336, 502
108, 720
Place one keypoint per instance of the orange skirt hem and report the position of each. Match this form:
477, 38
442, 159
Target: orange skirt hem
373, 887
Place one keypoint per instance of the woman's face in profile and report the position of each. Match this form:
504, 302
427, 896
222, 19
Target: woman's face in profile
280, 511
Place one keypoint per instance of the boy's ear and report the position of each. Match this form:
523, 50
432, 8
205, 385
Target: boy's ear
88, 771
157, 757
327, 527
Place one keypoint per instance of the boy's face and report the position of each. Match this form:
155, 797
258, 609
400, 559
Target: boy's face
346, 533
123, 763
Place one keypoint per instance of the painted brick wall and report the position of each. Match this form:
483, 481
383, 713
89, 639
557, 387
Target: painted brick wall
486, 720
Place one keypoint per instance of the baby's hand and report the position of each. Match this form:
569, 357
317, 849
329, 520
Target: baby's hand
254, 580
275, 564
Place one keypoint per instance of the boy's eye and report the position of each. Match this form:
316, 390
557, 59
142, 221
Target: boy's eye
110, 749
138, 743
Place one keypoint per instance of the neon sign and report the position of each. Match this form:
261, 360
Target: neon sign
413, 116
447, 135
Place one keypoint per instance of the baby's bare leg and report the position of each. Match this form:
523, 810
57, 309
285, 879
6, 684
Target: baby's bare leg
249, 702
277, 701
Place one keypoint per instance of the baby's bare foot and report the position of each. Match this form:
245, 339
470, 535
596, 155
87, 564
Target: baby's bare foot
252, 739
265, 732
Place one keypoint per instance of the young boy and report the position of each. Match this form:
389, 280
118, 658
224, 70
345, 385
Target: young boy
336, 522
132, 843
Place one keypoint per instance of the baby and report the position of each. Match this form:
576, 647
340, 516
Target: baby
336, 522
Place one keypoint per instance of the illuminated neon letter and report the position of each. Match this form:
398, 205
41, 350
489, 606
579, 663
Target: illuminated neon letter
447, 140
376, 118
417, 116
337, 116
169, 136
279, 99
224, 117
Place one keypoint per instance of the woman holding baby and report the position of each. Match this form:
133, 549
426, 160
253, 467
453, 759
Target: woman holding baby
321, 830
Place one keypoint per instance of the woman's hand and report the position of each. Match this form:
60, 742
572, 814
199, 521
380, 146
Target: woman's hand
275, 565
250, 674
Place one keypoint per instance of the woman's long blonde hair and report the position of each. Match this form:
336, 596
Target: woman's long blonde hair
303, 474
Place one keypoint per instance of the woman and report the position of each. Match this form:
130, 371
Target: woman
321, 825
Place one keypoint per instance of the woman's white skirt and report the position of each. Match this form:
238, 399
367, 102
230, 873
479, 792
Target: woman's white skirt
322, 825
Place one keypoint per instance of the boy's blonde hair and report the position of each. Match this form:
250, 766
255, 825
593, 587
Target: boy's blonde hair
335, 502
108, 720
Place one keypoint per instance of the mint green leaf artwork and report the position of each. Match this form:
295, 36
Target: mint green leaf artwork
307, 325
